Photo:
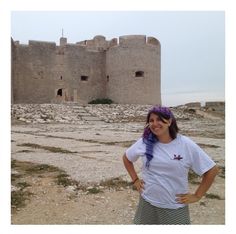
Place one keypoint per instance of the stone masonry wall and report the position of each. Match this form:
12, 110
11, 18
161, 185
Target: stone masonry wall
133, 55
126, 72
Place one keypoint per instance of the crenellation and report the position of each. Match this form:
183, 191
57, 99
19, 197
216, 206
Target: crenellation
99, 39
81, 43
112, 42
42, 43
153, 41
132, 40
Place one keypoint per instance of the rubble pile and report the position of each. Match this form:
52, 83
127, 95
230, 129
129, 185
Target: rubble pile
74, 113
45, 113
134, 113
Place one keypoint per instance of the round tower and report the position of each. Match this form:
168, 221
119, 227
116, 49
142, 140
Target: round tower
133, 70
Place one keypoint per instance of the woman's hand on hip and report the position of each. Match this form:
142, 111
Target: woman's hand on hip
139, 185
187, 198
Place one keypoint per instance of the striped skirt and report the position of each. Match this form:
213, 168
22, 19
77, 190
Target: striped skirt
149, 214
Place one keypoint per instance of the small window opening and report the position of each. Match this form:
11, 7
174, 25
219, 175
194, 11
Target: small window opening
59, 92
139, 74
84, 78
108, 78
61, 77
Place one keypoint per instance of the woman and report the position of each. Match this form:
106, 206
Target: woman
167, 157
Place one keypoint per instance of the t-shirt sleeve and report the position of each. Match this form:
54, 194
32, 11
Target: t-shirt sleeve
200, 161
135, 150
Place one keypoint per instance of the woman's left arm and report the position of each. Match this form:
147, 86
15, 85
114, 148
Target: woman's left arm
207, 180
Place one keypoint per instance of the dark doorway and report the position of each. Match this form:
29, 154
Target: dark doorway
59, 92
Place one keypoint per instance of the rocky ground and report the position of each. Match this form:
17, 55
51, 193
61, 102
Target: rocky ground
67, 166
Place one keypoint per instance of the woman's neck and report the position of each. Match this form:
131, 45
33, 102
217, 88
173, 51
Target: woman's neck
165, 139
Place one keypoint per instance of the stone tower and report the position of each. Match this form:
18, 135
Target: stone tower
133, 70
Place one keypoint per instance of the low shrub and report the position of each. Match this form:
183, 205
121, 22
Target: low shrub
101, 101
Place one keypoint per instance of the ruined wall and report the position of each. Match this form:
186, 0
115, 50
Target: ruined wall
133, 70
215, 106
126, 72
44, 73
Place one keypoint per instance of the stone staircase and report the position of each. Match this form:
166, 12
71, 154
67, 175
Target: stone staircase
85, 115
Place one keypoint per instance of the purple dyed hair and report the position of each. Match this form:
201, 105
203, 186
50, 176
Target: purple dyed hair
164, 113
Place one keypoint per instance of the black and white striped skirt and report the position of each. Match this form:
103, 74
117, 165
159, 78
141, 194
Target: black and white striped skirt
149, 214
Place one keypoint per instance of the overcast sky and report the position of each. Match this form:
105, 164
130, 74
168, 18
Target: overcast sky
192, 43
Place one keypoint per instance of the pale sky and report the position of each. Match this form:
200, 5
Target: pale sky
192, 43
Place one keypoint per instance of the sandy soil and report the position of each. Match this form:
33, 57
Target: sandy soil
95, 188
50, 203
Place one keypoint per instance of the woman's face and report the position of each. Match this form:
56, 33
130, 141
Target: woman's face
157, 126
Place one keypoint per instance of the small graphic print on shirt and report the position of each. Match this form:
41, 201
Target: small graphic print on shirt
177, 157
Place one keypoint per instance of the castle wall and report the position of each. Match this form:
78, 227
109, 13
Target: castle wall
133, 71
33, 78
42, 69
80, 62
126, 72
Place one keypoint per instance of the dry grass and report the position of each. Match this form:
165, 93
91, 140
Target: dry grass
26, 172
48, 148
116, 183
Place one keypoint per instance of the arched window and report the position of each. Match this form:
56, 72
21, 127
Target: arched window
139, 74
59, 92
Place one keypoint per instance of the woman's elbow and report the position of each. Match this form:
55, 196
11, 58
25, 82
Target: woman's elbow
213, 171
216, 169
125, 159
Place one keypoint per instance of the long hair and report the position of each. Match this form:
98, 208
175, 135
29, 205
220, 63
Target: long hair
164, 113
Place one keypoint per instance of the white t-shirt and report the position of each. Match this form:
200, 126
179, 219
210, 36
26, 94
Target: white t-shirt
167, 174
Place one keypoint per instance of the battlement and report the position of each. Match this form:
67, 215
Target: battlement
153, 41
98, 43
135, 41
132, 40
42, 43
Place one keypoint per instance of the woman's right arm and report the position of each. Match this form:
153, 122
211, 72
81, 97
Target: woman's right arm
139, 184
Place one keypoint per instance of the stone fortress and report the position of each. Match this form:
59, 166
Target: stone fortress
126, 70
